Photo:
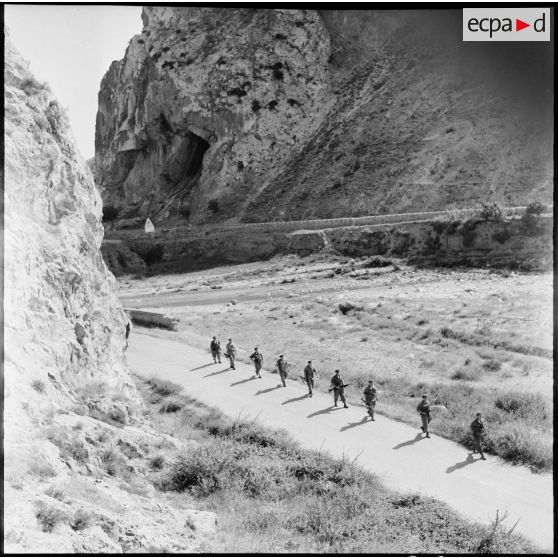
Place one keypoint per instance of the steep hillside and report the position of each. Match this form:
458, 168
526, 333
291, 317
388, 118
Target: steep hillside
73, 449
254, 115
205, 104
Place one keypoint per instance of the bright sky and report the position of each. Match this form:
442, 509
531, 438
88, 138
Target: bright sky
71, 48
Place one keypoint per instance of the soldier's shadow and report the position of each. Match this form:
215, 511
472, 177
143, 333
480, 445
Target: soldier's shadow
204, 366
470, 459
243, 381
305, 396
324, 411
416, 439
218, 372
259, 392
353, 424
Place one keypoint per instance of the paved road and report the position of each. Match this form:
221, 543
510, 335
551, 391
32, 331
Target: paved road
404, 460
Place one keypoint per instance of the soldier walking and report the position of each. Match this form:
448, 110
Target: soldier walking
231, 353
338, 388
215, 350
283, 368
309, 374
257, 359
370, 396
479, 432
424, 409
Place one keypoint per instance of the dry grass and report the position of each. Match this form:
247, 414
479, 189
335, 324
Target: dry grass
273, 496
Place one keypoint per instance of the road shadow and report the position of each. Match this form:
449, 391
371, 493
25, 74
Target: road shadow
416, 439
470, 459
243, 381
267, 390
295, 399
218, 372
203, 366
353, 424
324, 411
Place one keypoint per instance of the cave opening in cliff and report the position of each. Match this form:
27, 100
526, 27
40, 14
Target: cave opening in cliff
197, 148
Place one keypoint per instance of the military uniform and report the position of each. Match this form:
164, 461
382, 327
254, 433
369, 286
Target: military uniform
283, 368
215, 350
338, 390
478, 431
309, 373
257, 358
231, 354
424, 409
370, 396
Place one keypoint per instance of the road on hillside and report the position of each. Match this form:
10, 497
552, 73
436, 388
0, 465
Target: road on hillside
404, 460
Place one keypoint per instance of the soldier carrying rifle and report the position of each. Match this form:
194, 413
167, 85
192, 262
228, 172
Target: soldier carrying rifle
338, 388
370, 396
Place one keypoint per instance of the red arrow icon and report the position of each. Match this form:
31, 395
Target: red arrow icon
519, 25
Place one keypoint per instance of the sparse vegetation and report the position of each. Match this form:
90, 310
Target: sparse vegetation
259, 480
163, 387
82, 520
42, 468
492, 211
49, 516
56, 492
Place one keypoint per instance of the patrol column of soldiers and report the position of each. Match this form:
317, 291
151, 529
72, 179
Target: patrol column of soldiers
370, 393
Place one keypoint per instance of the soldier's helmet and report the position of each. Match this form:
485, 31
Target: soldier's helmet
479, 414
309, 362
370, 381
280, 356
337, 371
424, 396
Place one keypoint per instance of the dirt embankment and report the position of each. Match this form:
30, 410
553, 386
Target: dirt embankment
513, 242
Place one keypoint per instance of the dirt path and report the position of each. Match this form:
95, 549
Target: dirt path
393, 450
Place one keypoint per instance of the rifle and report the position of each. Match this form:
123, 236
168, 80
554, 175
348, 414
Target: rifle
344, 386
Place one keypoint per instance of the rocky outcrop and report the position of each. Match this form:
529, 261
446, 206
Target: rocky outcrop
224, 114
205, 104
71, 409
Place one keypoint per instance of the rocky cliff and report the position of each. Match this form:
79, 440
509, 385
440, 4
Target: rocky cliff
73, 432
224, 114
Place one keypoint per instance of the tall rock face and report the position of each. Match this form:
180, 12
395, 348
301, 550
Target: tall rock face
244, 114
74, 433
64, 323
205, 105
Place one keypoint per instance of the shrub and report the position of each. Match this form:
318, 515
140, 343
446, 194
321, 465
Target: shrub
170, 407
199, 468
492, 365
535, 208
157, 462
347, 307
466, 373
38, 385
113, 462
163, 387
81, 520
55, 492
213, 205
491, 211
272, 104
48, 516
256, 106
57, 118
